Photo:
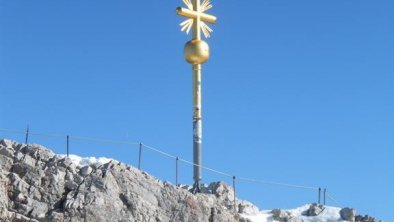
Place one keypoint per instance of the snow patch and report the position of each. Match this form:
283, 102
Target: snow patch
263, 216
329, 214
86, 161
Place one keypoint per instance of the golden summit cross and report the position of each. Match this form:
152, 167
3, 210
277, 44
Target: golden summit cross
197, 18
196, 52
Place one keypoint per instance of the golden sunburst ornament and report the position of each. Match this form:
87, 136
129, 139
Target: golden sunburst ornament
193, 14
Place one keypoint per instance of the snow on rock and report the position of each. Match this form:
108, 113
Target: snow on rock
329, 214
263, 216
103, 189
34, 188
86, 161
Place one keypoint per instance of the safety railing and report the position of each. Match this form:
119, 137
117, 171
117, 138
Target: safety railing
321, 199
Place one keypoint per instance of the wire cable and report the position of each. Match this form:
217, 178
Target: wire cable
278, 183
173, 157
12, 131
206, 168
31, 133
103, 140
159, 151
74, 137
333, 199
46, 135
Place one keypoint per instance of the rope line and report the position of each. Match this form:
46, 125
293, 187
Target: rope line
74, 137
173, 157
278, 183
103, 140
31, 133
12, 131
332, 198
159, 151
206, 168
45, 134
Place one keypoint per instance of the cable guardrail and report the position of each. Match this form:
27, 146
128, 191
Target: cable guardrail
103, 140
12, 131
159, 151
206, 168
333, 199
46, 135
141, 145
278, 183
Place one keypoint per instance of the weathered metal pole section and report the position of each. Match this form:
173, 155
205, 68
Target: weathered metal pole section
197, 115
196, 52
27, 134
67, 145
176, 171
197, 126
139, 156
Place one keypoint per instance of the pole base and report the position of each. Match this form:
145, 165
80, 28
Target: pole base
196, 187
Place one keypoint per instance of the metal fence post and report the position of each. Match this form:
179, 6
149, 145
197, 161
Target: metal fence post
176, 171
139, 157
68, 143
324, 197
27, 134
318, 195
212, 218
235, 204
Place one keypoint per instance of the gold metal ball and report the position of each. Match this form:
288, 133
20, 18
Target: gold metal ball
196, 52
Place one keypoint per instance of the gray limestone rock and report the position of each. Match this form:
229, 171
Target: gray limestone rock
6, 163
85, 171
284, 216
245, 207
37, 185
365, 218
7, 143
314, 210
348, 214
7, 151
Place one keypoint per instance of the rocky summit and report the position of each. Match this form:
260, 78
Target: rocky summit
37, 185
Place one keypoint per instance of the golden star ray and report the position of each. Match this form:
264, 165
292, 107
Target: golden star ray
193, 14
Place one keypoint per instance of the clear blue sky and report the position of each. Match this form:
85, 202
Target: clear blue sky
295, 91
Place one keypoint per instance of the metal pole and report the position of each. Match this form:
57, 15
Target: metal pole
197, 127
212, 219
139, 157
27, 134
196, 52
318, 198
68, 138
176, 171
197, 123
235, 204
324, 197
